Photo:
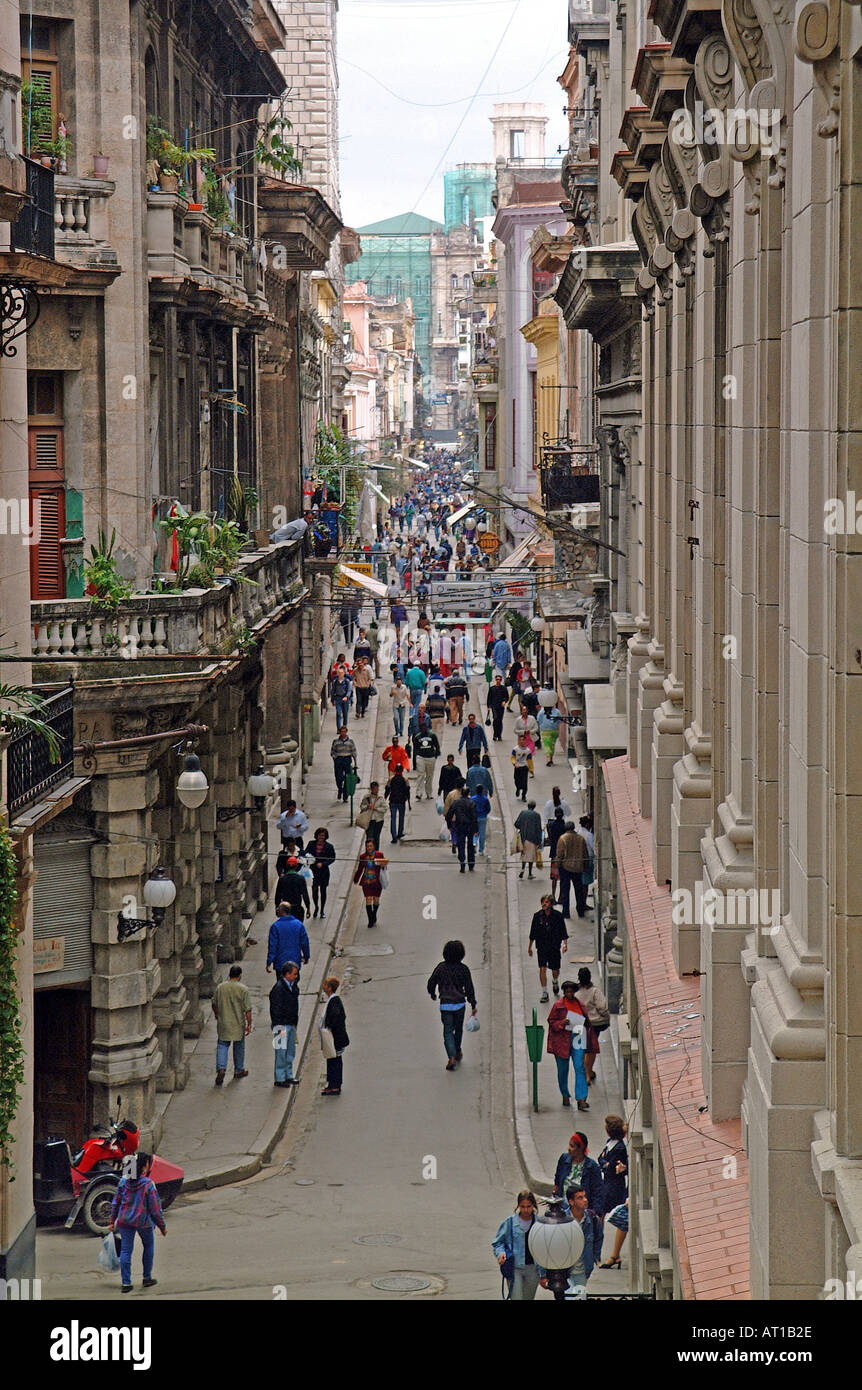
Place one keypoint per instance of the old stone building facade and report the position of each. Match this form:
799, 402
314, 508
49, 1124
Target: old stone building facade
729, 314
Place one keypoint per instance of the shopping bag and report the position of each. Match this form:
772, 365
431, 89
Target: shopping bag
439, 804
363, 820
488, 717
384, 878
327, 1043
538, 859
515, 846
472, 1024
443, 832
109, 1258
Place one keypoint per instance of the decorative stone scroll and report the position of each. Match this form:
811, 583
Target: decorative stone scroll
817, 32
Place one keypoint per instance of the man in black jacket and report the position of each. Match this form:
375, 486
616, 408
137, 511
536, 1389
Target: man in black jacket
548, 935
284, 1016
397, 793
457, 691
292, 888
497, 700
461, 820
450, 776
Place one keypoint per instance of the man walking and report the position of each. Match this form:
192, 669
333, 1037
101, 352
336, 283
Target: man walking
463, 822
288, 940
479, 779
497, 701
548, 935
341, 692
292, 888
572, 859
397, 793
400, 697
343, 753
435, 700
501, 654
293, 824
232, 1009
416, 682
284, 1016
457, 691
521, 764
362, 683
394, 756
426, 750
474, 740
419, 724
450, 776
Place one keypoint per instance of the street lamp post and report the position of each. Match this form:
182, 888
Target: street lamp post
556, 1241
159, 892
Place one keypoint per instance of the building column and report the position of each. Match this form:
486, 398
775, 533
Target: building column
126, 976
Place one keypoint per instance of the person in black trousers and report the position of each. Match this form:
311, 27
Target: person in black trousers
462, 821
497, 698
324, 857
397, 793
452, 981
335, 1019
292, 888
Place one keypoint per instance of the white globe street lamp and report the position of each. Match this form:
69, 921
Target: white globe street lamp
159, 892
537, 624
547, 698
260, 784
192, 785
556, 1241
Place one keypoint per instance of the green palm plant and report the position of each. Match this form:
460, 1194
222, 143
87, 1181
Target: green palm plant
20, 709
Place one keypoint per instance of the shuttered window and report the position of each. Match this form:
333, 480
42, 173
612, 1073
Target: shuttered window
47, 576
63, 903
47, 478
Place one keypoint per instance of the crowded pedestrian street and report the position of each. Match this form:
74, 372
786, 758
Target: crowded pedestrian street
418, 1166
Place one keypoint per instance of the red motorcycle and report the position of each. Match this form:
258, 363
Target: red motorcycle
67, 1185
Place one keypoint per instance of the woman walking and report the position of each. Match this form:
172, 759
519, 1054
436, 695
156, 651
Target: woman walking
614, 1163
548, 721
595, 1006
335, 1019
529, 829
370, 877
567, 1028
453, 982
510, 1242
372, 813
137, 1209
322, 855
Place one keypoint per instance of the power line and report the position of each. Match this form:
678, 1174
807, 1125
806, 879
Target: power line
455, 101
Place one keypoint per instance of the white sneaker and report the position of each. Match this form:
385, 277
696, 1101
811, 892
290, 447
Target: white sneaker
544, 997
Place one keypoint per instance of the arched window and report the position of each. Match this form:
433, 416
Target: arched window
151, 85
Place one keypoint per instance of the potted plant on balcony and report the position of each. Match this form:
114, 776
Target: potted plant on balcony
100, 166
53, 153
273, 151
103, 582
170, 159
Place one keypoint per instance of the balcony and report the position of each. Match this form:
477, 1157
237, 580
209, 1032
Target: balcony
299, 224
80, 220
568, 474
33, 229
194, 622
29, 771
484, 287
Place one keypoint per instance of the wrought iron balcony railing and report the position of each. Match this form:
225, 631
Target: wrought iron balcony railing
33, 228
30, 772
568, 473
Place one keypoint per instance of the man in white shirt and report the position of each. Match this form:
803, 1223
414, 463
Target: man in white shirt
293, 824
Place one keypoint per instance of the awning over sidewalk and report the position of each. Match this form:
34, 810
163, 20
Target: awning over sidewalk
381, 495
582, 662
709, 1214
364, 581
462, 512
522, 556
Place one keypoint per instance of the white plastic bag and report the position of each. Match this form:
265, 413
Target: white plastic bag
472, 1024
443, 833
108, 1257
439, 804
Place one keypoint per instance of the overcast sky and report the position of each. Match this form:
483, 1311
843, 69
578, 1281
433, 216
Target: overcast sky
433, 51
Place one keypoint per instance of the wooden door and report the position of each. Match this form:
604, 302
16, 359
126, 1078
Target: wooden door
63, 1038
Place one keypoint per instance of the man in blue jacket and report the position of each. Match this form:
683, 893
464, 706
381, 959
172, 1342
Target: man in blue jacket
501, 654
288, 940
474, 740
591, 1229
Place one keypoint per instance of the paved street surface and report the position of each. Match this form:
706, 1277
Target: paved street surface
411, 1169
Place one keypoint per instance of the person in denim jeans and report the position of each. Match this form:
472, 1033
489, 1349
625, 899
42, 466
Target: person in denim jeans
284, 1017
511, 1239
452, 981
341, 693
400, 697
136, 1208
483, 811
232, 1009
397, 793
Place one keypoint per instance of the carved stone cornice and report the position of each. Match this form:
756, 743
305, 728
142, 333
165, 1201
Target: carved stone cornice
630, 175
686, 23
642, 135
660, 80
817, 32
759, 33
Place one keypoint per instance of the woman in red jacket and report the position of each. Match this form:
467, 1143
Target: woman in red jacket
567, 1039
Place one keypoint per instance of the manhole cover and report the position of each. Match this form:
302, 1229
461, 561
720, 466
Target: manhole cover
304, 1182
400, 1283
377, 1240
371, 950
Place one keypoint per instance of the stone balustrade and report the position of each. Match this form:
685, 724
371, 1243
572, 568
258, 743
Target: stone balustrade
196, 621
81, 233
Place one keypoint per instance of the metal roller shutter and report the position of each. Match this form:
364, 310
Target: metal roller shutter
63, 904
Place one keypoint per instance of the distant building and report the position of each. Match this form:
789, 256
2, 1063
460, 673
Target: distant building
468, 190
396, 260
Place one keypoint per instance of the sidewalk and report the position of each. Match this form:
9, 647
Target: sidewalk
542, 1137
223, 1135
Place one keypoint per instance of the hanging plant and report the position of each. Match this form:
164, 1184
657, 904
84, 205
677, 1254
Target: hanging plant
11, 1046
